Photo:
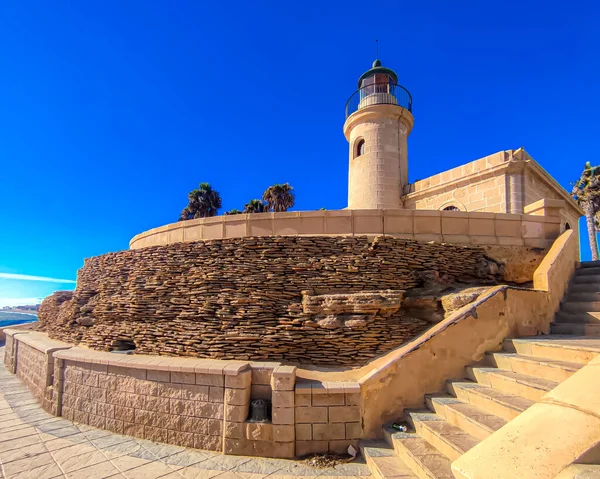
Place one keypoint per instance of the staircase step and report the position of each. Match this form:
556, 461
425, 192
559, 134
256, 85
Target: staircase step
585, 296
450, 440
586, 278
580, 306
584, 287
575, 349
588, 271
498, 403
474, 421
580, 471
522, 385
424, 460
383, 461
576, 329
538, 367
589, 264
589, 317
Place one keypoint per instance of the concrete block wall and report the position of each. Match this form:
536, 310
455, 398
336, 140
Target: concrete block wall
327, 416
31, 358
204, 404
9, 351
181, 404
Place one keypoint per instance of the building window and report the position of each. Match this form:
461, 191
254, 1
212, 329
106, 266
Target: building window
451, 208
567, 226
360, 148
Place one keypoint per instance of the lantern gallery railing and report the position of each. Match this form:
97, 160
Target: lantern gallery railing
379, 94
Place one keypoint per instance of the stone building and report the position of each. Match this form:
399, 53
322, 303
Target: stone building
378, 122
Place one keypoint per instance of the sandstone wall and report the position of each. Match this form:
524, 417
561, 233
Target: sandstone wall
155, 405
475, 186
246, 298
33, 368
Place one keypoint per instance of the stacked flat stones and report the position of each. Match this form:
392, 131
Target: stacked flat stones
242, 298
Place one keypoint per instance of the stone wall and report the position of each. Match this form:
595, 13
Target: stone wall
327, 416
421, 225
474, 186
185, 409
250, 298
33, 369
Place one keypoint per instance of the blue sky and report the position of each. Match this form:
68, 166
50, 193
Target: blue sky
113, 111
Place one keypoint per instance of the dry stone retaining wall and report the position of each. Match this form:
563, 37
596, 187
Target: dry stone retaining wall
247, 298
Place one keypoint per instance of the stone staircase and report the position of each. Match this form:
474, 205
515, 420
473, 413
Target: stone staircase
492, 393
580, 311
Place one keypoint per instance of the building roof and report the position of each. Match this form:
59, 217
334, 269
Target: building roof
377, 68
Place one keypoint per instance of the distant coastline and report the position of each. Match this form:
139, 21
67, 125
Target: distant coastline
20, 311
15, 316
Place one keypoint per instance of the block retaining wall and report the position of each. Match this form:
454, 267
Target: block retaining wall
188, 402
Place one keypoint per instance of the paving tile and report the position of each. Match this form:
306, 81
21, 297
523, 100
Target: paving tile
226, 463
23, 453
185, 458
125, 463
63, 454
97, 471
22, 465
47, 471
160, 450
353, 469
19, 433
74, 464
193, 472
150, 470
54, 443
130, 448
19, 443
262, 466
109, 440
60, 432
295, 468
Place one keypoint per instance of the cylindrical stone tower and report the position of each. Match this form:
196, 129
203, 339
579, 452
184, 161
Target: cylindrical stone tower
378, 122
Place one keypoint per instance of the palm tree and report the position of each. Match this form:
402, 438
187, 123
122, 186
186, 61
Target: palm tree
254, 206
234, 211
279, 197
202, 202
586, 192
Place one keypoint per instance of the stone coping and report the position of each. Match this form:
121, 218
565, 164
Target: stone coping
424, 225
38, 341
65, 351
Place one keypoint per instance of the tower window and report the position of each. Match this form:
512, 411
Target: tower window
567, 226
360, 148
451, 208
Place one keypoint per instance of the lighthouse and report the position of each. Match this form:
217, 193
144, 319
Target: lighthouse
378, 122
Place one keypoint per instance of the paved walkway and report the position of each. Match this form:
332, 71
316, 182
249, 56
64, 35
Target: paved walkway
37, 445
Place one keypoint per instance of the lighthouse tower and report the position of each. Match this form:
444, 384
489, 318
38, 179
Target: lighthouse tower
378, 122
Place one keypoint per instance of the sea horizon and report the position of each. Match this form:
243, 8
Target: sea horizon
12, 318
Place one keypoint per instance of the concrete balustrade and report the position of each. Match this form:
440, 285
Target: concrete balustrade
424, 225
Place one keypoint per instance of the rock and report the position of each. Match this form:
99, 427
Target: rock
426, 307
453, 301
517, 263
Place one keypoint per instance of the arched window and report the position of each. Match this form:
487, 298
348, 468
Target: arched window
567, 226
451, 208
360, 148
